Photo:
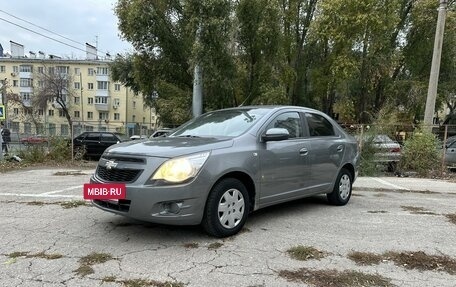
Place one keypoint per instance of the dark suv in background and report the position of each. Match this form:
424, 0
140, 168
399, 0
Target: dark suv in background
93, 144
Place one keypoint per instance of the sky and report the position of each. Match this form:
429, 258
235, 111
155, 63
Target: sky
80, 21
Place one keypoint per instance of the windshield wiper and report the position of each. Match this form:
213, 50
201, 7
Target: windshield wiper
187, 136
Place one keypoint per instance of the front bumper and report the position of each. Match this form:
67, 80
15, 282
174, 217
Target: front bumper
173, 205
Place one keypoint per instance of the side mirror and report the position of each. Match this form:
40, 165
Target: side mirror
275, 134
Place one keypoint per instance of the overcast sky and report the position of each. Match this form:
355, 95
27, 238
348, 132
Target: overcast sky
78, 20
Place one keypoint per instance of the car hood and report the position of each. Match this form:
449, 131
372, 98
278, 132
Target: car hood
169, 147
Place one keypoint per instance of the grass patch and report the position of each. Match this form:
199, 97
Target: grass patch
334, 278
365, 258
417, 210
191, 245
18, 254
109, 279
422, 261
73, 204
451, 217
377, 211
303, 253
72, 172
144, 283
93, 258
84, 270
215, 245
41, 254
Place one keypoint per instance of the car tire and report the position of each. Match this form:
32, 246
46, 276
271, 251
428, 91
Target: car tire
342, 189
227, 208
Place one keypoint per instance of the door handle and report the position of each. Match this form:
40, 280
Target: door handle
340, 148
303, 151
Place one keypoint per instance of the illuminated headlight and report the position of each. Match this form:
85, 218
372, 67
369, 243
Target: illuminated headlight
181, 169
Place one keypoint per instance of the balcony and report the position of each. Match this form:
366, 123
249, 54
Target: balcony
102, 107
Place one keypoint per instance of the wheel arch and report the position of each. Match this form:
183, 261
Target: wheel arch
246, 180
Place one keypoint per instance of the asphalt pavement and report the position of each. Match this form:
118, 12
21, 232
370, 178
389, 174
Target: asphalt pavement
50, 237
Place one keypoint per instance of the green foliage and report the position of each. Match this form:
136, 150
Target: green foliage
344, 56
421, 153
57, 150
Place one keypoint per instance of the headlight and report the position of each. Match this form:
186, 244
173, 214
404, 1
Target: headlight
181, 169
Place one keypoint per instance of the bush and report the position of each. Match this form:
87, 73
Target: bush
421, 153
57, 149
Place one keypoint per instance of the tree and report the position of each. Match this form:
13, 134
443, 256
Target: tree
53, 86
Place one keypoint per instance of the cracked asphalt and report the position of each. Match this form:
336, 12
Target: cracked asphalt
379, 218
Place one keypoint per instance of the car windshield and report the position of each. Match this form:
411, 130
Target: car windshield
229, 123
123, 137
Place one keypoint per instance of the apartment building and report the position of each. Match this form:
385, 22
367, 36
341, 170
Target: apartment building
95, 101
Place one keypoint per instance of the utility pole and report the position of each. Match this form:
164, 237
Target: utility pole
197, 100
435, 67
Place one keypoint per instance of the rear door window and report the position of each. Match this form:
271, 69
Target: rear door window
319, 126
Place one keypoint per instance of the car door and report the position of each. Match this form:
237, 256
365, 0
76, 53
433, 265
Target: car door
284, 164
92, 143
325, 153
107, 140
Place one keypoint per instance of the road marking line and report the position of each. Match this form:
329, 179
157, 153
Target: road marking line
389, 183
42, 195
62, 190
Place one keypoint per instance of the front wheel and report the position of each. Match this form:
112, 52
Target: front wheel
342, 189
227, 208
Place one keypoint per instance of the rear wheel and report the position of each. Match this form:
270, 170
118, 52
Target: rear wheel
342, 189
227, 208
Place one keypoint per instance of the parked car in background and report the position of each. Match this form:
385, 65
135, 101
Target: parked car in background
387, 152
161, 133
36, 139
93, 144
138, 137
450, 152
222, 165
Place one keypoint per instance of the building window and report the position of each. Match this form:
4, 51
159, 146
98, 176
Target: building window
51, 113
102, 71
25, 96
39, 128
14, 83
15, 111
101, 100
62, 69
25, 68
134, 104
77, 71
90, 101
27, 128
51, 70
24, 82
61, 114
15, 69
90, 115
41, 70
116, 116
77, 100
2, 69
52, 129
64, 130
144, 120
76, 114
117, 87
102, 85
90, 71
41, 84
133, 118
77, 85
15, 127
103, 116
40, 112
90, 86
28, 111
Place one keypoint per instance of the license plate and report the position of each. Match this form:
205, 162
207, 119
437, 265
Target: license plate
107, 191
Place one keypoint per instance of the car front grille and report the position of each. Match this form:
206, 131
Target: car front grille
118, 175
122, 205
